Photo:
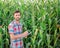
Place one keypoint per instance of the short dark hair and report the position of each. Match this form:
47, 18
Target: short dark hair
17, 11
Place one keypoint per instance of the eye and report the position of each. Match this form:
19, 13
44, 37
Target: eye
16, 15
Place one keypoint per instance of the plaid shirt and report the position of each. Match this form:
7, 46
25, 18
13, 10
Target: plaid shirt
16, 29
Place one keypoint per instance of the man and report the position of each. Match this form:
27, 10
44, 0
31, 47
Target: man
15, 31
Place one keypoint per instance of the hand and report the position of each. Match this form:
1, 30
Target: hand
25, 33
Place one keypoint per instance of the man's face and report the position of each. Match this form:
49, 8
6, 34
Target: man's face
17, 16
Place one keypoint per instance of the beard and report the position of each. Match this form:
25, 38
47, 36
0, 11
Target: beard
17, 19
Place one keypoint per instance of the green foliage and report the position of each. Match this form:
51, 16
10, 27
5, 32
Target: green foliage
38, 16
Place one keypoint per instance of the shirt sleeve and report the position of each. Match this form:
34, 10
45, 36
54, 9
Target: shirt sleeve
10, 28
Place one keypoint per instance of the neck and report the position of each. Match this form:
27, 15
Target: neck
17, 22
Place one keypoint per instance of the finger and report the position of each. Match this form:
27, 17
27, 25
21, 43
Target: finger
26, 37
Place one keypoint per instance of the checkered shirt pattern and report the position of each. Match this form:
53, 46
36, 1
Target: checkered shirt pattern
16, 29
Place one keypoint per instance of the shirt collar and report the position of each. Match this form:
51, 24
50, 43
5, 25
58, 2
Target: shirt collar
16, 23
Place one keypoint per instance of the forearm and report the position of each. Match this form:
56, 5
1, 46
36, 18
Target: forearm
13, 37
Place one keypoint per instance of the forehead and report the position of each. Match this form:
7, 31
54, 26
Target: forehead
17, 13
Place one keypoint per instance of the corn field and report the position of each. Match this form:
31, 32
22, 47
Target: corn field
40, 17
